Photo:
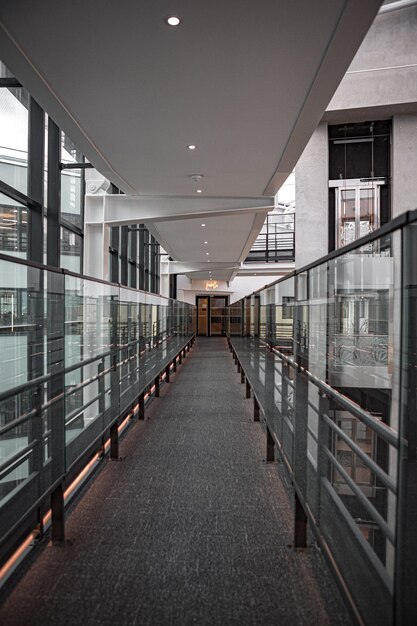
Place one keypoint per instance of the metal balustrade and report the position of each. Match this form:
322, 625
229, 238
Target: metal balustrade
276, 241
78, 355
329, 354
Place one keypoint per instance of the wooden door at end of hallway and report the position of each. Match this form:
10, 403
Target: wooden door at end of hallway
211, 315
202, 315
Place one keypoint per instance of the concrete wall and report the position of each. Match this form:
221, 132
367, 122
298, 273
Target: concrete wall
384, 70
311, 199
381, 83
239, 287
404, 163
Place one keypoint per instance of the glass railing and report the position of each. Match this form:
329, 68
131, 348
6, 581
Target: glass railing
330, 352
76, 353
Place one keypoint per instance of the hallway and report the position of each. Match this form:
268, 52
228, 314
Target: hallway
190, 527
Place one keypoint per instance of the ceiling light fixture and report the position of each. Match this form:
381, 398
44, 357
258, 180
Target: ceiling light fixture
199, 191
206, 242
172, 20
191, 147
202, 224
207, 253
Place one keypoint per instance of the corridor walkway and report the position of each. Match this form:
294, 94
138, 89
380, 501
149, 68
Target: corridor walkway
191, 527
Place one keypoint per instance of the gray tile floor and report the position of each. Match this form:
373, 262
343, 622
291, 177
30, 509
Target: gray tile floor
191, 527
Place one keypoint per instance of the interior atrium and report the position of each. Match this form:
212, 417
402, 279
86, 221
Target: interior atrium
208, 337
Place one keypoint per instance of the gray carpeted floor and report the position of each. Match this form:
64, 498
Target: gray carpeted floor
191, 527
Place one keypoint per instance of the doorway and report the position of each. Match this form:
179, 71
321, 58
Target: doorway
357, 204
211, 315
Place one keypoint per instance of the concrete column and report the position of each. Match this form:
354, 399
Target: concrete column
311, 199
96, 239
164, 276
404, 163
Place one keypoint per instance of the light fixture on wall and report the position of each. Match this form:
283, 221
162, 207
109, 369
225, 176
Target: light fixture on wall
211, 284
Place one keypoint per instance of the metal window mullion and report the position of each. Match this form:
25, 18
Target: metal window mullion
123, 255
54, 195
36, 149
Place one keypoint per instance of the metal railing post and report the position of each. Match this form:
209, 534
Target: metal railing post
57, 514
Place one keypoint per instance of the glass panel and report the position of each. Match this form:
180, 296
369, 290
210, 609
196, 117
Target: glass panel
71, 184
14, 117
13, 227
347, 232
367, 216
217, 316
202, 316
71, 250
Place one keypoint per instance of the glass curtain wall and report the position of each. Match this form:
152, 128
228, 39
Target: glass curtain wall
135, 258
41, 187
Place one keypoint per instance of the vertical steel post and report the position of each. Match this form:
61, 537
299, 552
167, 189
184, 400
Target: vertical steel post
300, 524
247, 389
324, 442
157, 387
167, 372
114, 441
57, 514
270, 446
242, 376
36, 180
101, 388
256, 412
54, 195
141, 403
405, 580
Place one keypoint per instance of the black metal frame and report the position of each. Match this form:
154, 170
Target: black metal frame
273, 246
135, 258
34, 200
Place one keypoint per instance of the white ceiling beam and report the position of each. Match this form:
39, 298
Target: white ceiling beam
121, 210
179, 267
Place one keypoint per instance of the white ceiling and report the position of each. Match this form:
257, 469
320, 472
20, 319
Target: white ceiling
245, 81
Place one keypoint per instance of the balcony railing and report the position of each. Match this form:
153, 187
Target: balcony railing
275, 242
340, 407
78, 355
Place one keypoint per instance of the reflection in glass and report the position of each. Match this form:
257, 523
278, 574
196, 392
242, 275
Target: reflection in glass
13, 227
14, 104
71, 250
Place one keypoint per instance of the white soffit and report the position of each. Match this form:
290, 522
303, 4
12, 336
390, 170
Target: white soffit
245, 82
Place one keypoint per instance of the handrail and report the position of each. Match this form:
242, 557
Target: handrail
409, 217
388, 434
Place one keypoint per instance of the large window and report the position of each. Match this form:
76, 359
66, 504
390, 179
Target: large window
41, 182
135, 258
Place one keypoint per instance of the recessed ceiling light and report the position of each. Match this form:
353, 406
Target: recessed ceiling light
207, 253
191, 147
202, 224
199, 191
208, 260
206, 242
172, 20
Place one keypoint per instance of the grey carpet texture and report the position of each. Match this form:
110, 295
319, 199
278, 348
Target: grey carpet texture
190, 527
